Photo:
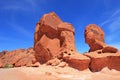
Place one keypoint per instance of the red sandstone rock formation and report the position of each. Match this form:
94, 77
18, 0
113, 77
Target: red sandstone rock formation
53, 40
109, 49
94, 37
20, 57
54, 44
100, 61
77, 60
51, 36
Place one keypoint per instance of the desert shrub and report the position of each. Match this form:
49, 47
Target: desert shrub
8, 66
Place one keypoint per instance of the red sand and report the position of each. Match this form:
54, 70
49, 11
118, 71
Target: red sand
56, 73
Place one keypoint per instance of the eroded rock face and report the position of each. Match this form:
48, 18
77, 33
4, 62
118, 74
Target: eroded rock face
100, 61
94, 37
109, 49
52, 35
20, 57
76, 60
3, 53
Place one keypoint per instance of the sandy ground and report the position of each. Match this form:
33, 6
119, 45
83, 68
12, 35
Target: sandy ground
56, 73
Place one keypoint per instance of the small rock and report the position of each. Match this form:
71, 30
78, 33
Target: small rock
37, 64
63, 64
53, 62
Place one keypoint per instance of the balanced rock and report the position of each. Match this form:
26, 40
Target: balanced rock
52, 36
94, 37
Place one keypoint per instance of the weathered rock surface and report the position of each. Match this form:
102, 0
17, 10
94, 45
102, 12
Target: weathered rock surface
51, 36
109, 49
2, 53
100, 61
53, 62
20, 57
76, 60
94, 37
57, 62
65, 26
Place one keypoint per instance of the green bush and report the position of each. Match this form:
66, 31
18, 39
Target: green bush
9, 66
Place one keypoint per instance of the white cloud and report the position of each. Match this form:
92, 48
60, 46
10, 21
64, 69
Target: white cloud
8, 40
115, 25
21, 30
113, 22
112, 25
117, 12
112, 18
15, 7
19, 5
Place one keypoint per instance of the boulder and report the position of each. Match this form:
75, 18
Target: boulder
100, 61
94, 37
76, 60
109, 49
48, 26
65, 26
67, 41
52, 36
46, 48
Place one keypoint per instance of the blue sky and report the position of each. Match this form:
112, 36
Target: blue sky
19, 17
